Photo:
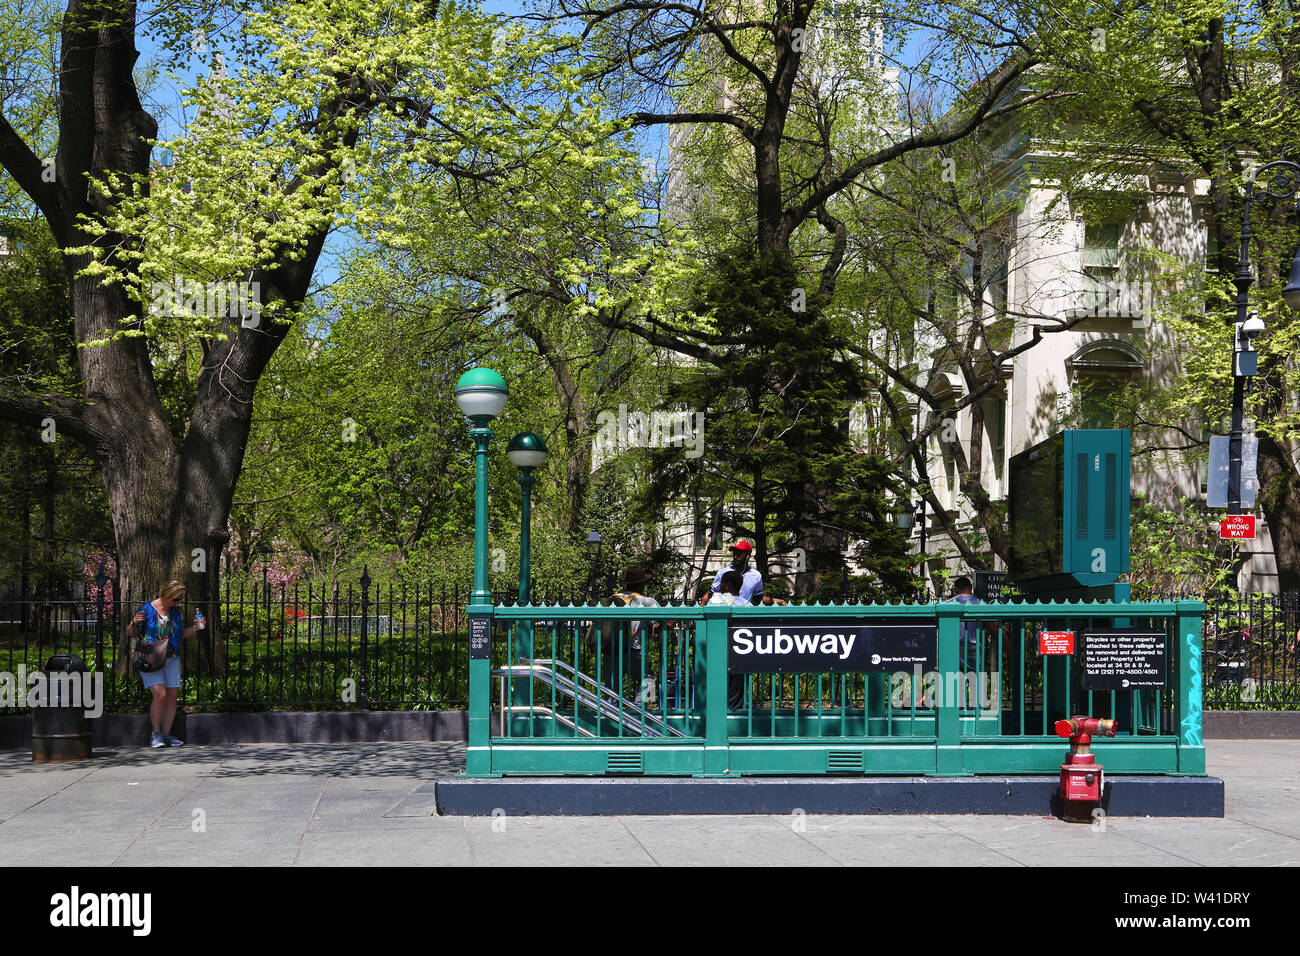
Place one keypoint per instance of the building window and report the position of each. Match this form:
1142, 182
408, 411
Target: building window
1101, 370
708, 527
1211, 247
1096, 402
1101, 264
997, 265
946, 388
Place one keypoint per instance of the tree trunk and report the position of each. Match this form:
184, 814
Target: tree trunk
156, 546
1279, 491
577, 423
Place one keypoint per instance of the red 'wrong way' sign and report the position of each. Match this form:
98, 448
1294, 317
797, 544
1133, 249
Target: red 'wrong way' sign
1237, 526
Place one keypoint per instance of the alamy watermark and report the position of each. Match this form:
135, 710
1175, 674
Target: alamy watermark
125, 910
971, 689
84, 690
184, 298
676, 428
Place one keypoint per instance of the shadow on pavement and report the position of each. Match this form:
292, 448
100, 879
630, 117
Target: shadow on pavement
426, 760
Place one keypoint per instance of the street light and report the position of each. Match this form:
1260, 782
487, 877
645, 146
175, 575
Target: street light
526, 451
593, 560
904, 520
1285, 183
481, 396
265, 552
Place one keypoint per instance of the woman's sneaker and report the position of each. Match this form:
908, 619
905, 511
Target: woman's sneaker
157, 741
172, 741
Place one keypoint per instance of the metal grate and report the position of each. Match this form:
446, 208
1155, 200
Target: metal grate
844, 761
624, 762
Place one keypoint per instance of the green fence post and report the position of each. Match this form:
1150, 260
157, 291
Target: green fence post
1191, 747
717, 756
948, 755
478, 757
478, 754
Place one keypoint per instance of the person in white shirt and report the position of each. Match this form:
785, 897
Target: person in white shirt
751, 584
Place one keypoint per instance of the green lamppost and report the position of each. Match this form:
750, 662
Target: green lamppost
481, 395
526, 451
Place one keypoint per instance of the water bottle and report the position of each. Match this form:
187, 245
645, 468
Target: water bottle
198, 618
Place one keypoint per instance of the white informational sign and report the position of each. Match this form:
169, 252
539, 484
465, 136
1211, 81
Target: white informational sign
1216, 481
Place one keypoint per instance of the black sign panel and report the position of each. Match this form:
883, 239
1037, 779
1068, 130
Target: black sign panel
992, 586
480, 638
1124, 660
800, 645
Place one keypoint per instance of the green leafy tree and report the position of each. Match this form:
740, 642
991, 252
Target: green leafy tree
776, 397
329, 114
1177, 553
57, 510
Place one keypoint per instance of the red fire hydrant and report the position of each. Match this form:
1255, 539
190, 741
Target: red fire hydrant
1081, 774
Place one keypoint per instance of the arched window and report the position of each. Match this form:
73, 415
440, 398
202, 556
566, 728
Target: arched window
1099, 370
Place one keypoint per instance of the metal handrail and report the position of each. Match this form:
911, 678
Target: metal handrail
605, 700
604, 690
627, 716
581, 694
544, 711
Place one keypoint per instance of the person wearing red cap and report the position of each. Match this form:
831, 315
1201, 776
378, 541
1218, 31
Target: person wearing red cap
751, 588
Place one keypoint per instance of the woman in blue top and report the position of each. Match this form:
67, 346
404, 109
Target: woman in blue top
162, 622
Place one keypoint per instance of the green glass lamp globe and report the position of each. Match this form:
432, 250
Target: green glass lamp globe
481, 394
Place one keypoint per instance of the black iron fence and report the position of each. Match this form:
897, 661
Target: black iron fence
362, 646
1251, 652
357, 646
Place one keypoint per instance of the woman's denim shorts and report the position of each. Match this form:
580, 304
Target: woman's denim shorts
170, 675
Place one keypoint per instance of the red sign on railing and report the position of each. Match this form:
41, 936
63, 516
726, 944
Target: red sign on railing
1056, 642
1237, 526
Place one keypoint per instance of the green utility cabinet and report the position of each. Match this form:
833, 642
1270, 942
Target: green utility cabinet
1069, 512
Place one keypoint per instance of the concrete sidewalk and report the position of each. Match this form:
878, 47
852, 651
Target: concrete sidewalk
355, 805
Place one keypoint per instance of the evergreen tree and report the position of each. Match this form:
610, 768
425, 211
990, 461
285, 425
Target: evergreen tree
777, 457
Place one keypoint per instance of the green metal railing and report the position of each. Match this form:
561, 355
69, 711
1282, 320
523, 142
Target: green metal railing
603, 690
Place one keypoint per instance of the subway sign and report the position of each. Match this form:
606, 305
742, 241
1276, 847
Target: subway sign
830, 645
